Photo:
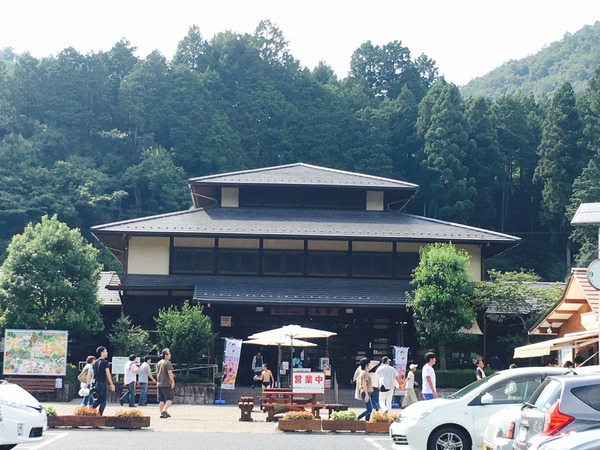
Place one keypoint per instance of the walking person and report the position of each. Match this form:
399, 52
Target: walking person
388, 376
266, 377
257, 362
165, 383
479, 372
365, 388
373, 367
88, 400
101, 373
428, 388
143, 376
131, 370
408, 385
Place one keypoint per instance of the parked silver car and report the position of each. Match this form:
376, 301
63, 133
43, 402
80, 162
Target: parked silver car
588, 439
503, 426
559, 405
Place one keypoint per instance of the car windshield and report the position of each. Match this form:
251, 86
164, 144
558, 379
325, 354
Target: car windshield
474, 385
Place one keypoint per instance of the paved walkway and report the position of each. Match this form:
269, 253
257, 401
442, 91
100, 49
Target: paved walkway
194, 418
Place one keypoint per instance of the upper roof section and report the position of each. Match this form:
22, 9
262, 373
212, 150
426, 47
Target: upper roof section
302, 224
300, 186
300, 174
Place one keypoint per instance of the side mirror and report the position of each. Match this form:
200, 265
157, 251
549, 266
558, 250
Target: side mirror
487, 399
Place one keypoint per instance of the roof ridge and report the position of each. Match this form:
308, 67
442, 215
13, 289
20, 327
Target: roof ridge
311, 166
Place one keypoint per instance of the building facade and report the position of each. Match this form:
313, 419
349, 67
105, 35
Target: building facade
298, 244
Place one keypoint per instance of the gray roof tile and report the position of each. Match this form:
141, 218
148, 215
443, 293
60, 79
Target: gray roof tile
304, 223
289, 291
301, 174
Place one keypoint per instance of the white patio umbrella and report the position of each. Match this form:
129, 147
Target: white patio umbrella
279, 342
292, 333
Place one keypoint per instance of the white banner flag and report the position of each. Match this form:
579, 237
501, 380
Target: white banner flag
231, 362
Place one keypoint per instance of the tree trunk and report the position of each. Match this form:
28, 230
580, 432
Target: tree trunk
442, 356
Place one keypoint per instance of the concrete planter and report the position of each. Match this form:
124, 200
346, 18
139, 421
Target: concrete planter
299, 425
343, 425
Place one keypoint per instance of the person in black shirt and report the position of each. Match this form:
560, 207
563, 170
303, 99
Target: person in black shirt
103, 378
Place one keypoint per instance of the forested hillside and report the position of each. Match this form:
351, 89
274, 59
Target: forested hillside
108, 136
573, 59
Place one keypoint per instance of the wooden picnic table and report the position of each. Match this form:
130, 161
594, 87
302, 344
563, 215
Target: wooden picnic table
279, 400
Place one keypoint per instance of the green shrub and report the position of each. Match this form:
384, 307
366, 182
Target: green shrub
343, 415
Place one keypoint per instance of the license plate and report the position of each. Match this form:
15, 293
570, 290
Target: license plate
522, 434
485, 447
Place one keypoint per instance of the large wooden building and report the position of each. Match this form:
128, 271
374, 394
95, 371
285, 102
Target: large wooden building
290, 244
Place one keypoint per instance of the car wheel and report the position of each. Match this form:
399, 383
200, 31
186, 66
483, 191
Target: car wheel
449, 438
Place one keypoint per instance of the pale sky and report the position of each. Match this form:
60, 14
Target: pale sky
466, 38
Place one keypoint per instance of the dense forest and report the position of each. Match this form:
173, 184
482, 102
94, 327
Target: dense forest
573, 59
108, 136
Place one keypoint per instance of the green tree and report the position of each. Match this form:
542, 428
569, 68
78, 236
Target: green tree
440, 302
186, 331
484, 161
126, 339
158, 185
49, 280
443, 126
513, 295
562, 156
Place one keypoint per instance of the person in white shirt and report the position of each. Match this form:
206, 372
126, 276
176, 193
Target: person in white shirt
131, 369
388, 377
428, 388
408, 385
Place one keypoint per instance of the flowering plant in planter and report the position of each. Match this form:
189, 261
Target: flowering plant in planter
298, 415
86, 411
133, 412
382, 417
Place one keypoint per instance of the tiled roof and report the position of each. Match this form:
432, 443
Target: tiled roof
301, 174
108, 297
577, 293
288, 291
305, 223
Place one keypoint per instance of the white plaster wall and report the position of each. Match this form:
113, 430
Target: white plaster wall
374, 201
230, 197
328, 245
193, 242
148, 255
361, 246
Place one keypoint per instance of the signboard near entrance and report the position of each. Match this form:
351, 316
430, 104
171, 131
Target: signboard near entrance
309, 382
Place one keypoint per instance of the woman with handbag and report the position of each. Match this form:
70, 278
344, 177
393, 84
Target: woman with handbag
83, 378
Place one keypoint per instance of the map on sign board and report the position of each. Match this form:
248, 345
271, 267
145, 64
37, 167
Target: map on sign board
35, 352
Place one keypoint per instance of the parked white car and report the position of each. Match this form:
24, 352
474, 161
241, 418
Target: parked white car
459, 421
22, 418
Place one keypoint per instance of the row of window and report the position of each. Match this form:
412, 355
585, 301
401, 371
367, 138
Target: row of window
293, 263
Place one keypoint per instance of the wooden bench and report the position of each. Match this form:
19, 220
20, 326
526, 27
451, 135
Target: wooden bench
277, 408
152, 390
335, 407
34, 385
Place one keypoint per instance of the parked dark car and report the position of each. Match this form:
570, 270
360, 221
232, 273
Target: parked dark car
559, 405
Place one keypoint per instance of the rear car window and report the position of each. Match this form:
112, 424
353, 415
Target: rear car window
547, 394
590, 395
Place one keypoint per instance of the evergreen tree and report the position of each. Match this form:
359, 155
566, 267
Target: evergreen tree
562, 156
444, 128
